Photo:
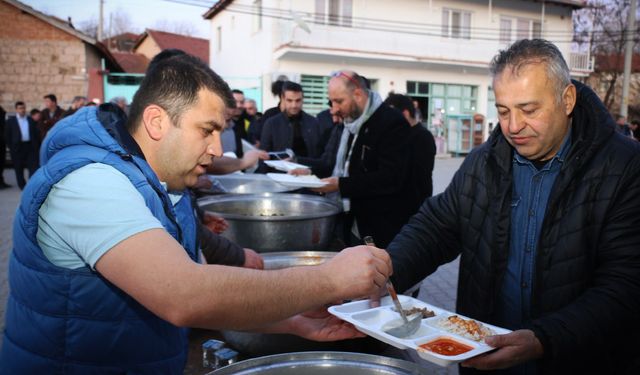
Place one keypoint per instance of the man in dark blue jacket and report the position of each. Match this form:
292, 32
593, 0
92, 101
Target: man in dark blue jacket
545, 217
293, 128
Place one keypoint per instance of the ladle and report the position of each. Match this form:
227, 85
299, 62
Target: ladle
405, 327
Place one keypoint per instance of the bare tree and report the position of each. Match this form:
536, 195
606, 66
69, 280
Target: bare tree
182, 28
119, 22
89, 27
601, 26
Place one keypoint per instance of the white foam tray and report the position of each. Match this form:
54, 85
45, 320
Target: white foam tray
370, 321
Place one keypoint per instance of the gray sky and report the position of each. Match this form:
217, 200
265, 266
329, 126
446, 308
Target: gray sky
143, 13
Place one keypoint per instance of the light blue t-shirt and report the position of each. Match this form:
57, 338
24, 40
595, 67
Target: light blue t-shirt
88, 212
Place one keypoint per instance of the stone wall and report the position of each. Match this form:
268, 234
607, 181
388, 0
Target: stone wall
37, 59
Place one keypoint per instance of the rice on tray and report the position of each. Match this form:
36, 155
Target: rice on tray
469, 329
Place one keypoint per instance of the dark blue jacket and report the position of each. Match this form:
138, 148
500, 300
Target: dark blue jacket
62, 321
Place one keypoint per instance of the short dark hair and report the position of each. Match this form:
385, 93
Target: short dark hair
635, 122
236, 91
34, 111
165, 54
534, 51
51, 97
401, 103
291, 86
19, 103
276, 87
173, 83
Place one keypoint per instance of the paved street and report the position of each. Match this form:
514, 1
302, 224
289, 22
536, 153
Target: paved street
439, 289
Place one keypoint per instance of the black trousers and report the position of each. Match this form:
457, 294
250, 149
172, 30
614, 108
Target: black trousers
3, 158
24, 155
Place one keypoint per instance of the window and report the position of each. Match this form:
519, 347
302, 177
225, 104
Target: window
257, 15
334, 12
512, 29
456, 24
219, 37
444, 99
315, 93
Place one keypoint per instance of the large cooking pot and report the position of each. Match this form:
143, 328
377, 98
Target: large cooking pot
275, 222
322, 363
259, 344
247, 183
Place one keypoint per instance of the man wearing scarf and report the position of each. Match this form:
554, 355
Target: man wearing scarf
371, 172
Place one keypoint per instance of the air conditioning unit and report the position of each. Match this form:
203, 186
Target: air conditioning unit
285, 76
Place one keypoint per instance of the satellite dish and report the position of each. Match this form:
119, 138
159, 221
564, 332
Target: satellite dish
300, 22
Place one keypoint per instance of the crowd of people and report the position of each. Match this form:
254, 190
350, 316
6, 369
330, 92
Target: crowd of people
23, 133
543, 216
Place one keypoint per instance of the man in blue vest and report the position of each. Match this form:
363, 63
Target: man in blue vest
103, 273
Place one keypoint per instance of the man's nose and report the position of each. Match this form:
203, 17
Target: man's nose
215, 146
516, 122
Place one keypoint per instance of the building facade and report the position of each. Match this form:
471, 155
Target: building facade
40, 55
437, 51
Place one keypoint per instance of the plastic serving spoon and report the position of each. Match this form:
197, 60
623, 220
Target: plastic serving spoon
399, 327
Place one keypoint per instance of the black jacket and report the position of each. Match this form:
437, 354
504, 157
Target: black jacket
13, 135
586, 290
277, 134
379, 181
423, 153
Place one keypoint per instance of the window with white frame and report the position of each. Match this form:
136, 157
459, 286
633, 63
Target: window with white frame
512, 29
334, 12
456, 24
257, 15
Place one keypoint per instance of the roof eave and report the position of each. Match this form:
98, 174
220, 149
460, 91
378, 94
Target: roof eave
217, 8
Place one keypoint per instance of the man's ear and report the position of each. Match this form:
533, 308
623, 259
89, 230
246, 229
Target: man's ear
153, 121
569, 97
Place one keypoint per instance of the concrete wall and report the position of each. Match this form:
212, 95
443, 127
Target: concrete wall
148, 47
37, 59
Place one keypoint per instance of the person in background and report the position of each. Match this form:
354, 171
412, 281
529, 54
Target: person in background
371, 172
423, 148
622, 125
3, 149
77, 103
21, 134
251, 108
35, 114
418, 113
276, 90
120, 102
51, 114
634, 126
293, 128
115, 290
545, 216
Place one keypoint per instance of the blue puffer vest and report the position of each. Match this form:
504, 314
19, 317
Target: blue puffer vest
61, 321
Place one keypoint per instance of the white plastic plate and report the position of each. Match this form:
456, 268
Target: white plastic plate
283, 165
370, 321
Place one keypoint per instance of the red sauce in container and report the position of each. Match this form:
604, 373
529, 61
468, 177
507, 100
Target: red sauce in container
446, 346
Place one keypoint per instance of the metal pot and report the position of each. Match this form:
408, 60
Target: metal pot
249, 183
322, 363
275, 222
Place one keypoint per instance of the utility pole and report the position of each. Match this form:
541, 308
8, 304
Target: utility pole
628, 54
100, 21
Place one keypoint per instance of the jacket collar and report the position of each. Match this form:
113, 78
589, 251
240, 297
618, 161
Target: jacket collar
113, 119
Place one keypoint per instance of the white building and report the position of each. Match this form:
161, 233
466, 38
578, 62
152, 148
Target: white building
437, 51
